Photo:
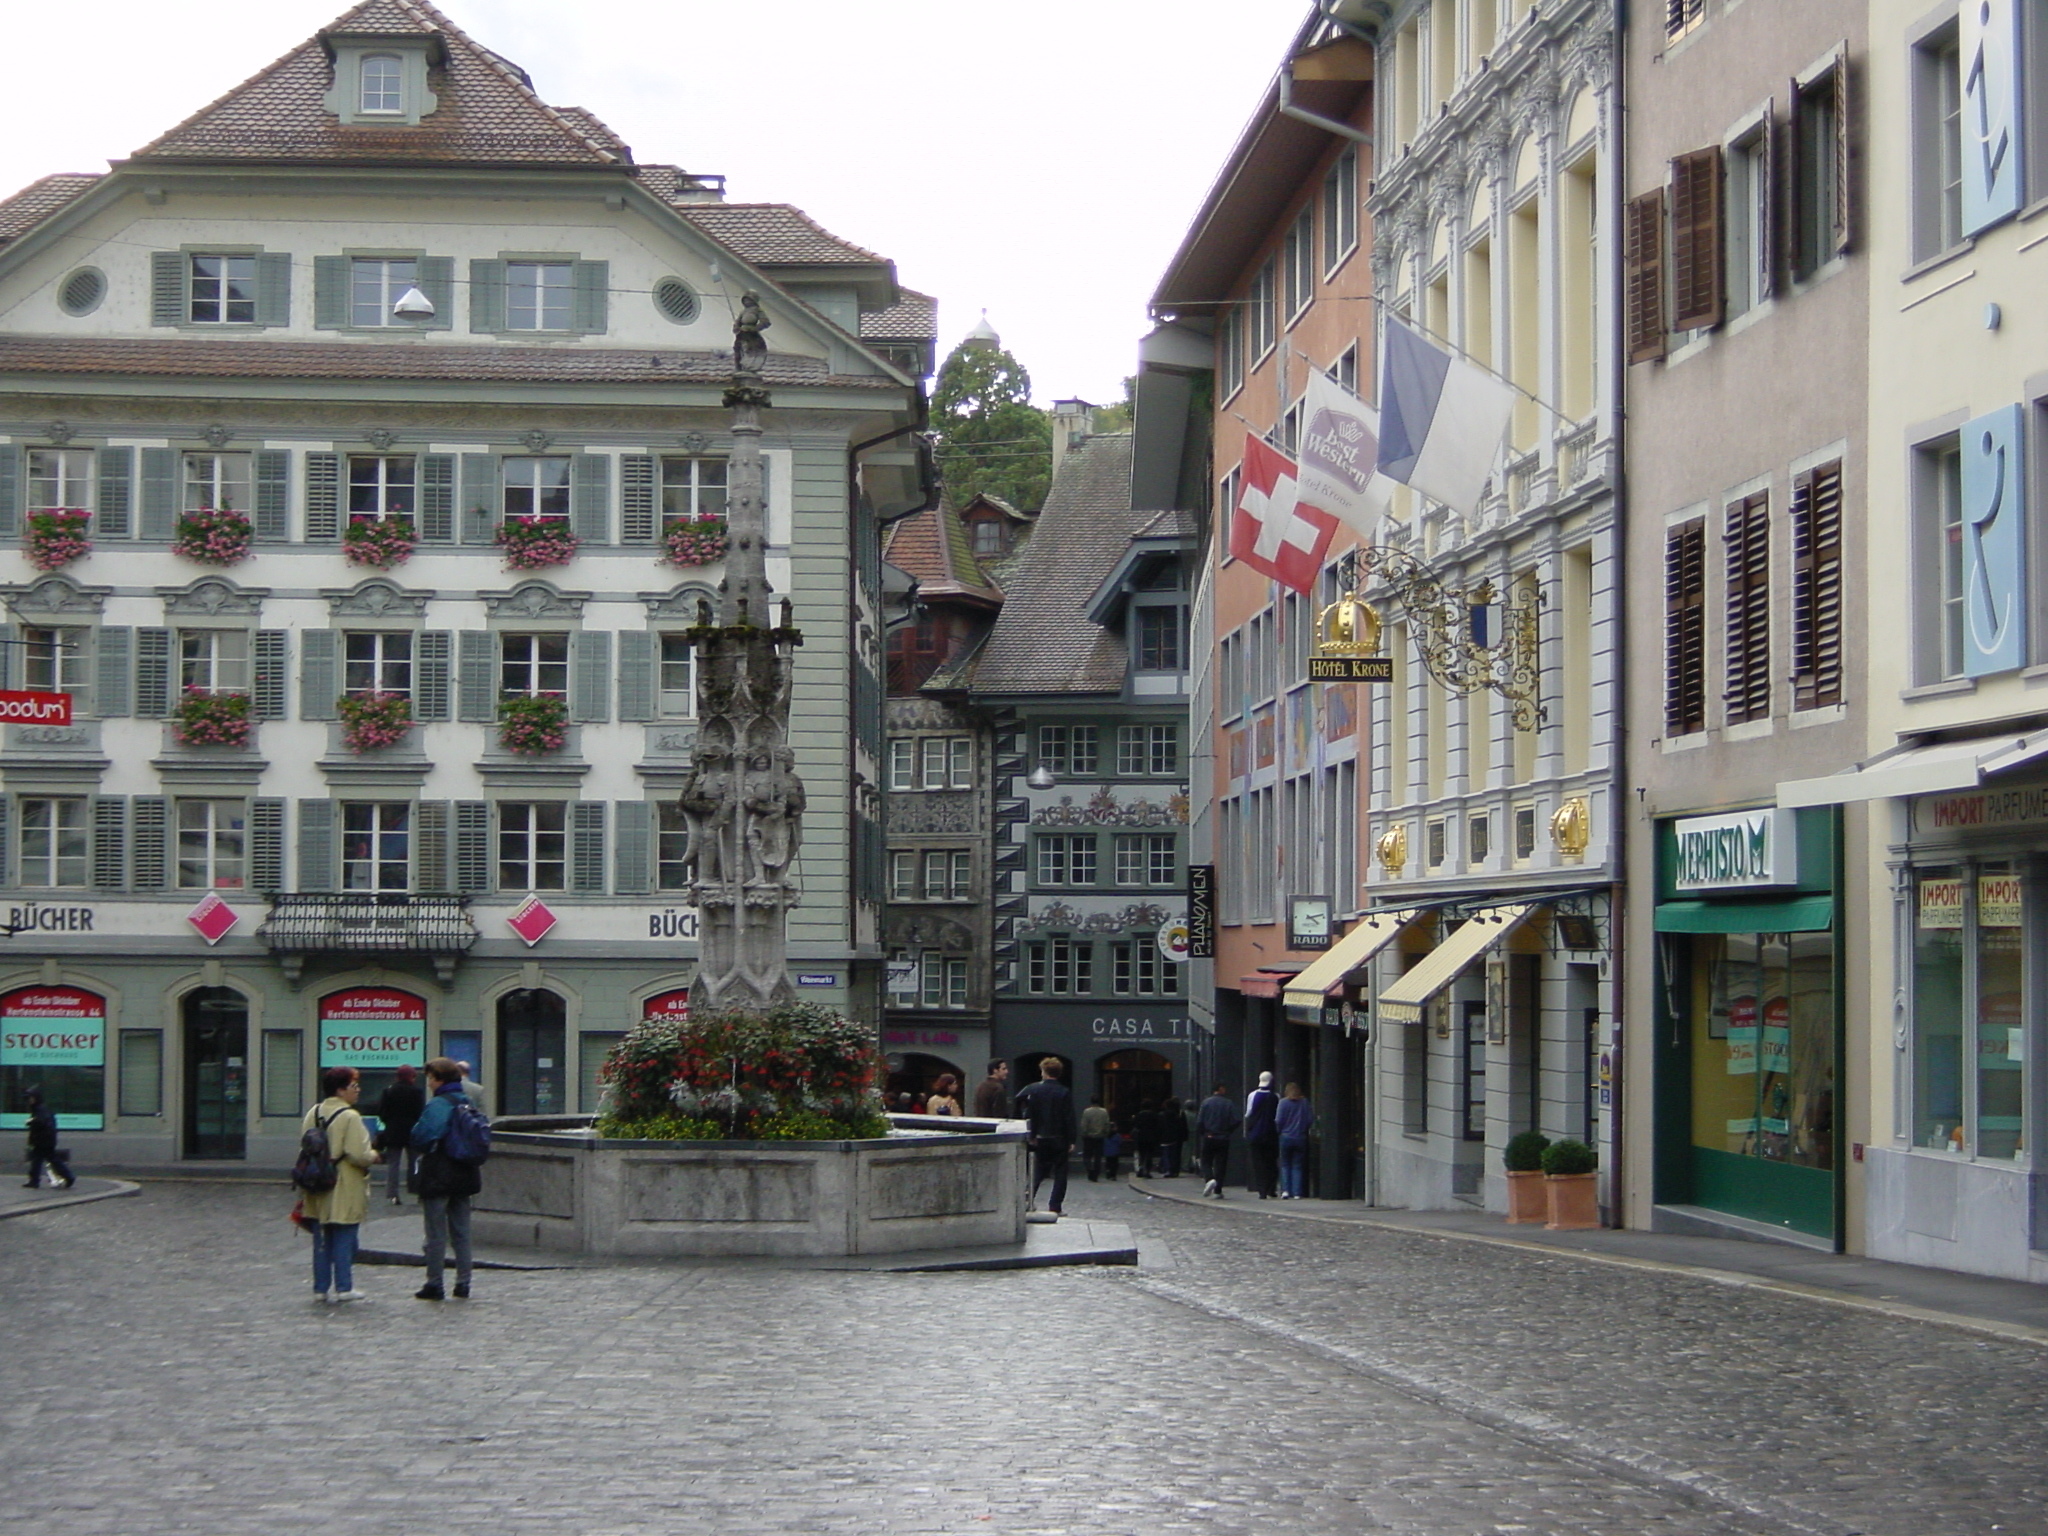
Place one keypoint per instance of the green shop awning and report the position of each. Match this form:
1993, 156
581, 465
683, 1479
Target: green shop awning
1794, 914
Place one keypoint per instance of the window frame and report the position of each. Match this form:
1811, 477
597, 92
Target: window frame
1263, 330
538, 668
528, 838
225, 299
68, 657
540, 300
1065, 861
1298, 265
202, 664
693, 487
192, 483
1069, 759
1340, 211
1148, 652
381, 487
389, 290
663, 663
64, 461
671, 843
54, 835
384, 668
1937, 142
223, 857
536, 494
395, 93
384, 821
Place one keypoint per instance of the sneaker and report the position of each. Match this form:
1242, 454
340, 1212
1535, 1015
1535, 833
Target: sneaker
346, 1296
321, 1298
462, 1290
1209, 1188
429, 1293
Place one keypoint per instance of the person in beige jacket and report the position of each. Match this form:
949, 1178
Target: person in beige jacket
336, 1215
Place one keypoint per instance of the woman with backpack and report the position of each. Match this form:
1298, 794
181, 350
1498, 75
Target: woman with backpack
452, 1139
336, 1213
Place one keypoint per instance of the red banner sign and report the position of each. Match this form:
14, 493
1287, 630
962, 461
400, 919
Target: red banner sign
19, 707
667, 1007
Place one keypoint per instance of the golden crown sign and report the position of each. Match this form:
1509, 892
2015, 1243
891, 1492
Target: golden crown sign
1348, 645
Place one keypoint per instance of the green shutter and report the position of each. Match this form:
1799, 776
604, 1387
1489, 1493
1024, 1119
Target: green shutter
267, 697
591, 282
437, 498
113, 684
116, 487
330, 292
632, 840
636, 499
590, 676
10, 491
636, 674
159, 494
590, 498
480, 515
273, 468
274, 288
323, 497
170, 275
476, 677
430, 686
586, 847
472, 846
150, 844
437, 282
318, 684
316, 845
266, 845
487, 297
430, 846
110, 842
152, 673
142, 1072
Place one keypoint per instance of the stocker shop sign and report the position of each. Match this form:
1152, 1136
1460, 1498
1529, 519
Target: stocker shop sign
372, 1028
53, 1027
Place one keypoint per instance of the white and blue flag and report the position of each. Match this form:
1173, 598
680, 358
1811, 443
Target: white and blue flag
1441, 419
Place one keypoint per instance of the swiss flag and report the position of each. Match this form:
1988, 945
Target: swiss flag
1270, 530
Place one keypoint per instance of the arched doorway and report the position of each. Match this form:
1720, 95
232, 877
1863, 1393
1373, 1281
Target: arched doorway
216, 1110
913, 1072
1129, 1080
533, 1039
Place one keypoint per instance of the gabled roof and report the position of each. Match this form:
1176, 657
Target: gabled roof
777, 235
933, 546
488, 112
38, 200
1043, 641
915, 318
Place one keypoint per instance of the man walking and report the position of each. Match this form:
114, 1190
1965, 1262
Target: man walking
992, 1097
1218, 1119
1262, 1137
1047, 1110
1095, 1128
445, 1185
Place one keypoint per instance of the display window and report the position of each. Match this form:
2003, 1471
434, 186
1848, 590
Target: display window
1969, 989
1763, 1080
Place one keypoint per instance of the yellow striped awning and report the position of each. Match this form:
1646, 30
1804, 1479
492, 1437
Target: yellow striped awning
1326, 973
1403, 1002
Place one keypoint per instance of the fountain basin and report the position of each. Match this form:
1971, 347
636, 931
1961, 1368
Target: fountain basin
554, 1185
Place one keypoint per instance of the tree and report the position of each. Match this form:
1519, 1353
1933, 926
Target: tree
992, 439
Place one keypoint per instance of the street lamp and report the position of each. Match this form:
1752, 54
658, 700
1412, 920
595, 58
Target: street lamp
1041, 777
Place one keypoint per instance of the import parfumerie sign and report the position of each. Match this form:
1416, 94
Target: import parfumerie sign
1747, 851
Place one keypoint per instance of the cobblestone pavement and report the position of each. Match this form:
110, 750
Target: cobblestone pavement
164, 1370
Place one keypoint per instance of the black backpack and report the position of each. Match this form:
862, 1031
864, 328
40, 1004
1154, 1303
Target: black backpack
468, 1138
315, 1170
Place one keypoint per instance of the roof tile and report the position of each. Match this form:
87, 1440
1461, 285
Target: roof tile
776, 234
38, 200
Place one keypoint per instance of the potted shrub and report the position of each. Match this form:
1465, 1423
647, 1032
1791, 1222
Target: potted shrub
535, 543
380, 542
1523, 1158
56, 538
533, 726
1569, 1179
213, 536
373, 720
204, 719
695, 541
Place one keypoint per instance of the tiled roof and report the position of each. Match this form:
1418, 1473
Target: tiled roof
776, 234
38, 200
1169, 525
933, 546
488, 112
915, 318
228, 357
1043, 642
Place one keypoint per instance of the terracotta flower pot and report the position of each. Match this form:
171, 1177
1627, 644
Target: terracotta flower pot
1574, 1201
1527, 1198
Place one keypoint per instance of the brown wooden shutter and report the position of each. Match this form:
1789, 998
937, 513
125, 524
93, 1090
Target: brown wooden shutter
1685, 628
1840, 78
1817, 588
1748, 546
1644, 276
1696, 259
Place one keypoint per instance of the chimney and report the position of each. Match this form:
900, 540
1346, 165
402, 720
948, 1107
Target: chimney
1072, 421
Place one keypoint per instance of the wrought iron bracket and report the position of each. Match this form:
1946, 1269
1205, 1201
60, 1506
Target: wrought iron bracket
1441, 622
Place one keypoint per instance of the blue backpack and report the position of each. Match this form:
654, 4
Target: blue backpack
468, 1137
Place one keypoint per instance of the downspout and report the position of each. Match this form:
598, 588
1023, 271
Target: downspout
927, 469
1618, 900
1326, 9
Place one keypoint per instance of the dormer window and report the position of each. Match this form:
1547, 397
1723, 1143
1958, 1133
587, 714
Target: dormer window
383, 85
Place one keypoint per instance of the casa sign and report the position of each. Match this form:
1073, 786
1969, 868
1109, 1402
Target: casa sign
1750, 850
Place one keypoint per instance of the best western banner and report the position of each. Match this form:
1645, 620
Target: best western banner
372, 1028
55, 1038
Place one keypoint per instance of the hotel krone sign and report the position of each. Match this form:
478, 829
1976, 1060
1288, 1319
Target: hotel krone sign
1747, 851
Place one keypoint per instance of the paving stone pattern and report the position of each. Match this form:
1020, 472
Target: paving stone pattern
164, 1370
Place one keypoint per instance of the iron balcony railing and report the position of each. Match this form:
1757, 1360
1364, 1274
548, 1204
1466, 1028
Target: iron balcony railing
359, 922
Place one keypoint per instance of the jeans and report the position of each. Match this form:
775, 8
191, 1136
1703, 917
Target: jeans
447, 1217
1265, 1180
1091, 1157
1294, 1168
1215, 1158
1049, 1161
334, 1256
60, 1168
1169, 1160
396, 1164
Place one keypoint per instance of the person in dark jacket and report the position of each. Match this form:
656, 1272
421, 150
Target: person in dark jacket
1145, 1132
1218, 1119
446, 1186
398, 1111
1047, 1110
992, 1097
1262, 1137
1293, 1120
42, 1144
1173, 1135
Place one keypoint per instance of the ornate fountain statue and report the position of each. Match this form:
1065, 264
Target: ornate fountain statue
742, 801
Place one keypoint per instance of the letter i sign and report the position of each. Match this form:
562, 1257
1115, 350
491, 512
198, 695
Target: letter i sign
1272, 531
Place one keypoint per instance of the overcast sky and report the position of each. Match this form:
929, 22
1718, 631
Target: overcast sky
1041, 162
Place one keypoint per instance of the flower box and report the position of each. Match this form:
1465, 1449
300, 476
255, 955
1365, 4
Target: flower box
695, 541
379, 542
373, 720
536, 543
203, 719
56, 538
533, 726
213, 536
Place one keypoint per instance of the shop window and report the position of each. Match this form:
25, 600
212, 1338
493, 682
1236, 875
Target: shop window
1969, 1068
1763, 1055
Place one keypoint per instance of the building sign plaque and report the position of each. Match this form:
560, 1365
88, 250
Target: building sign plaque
667, 1007
1750, 850
1982, 810
372, 1029
1202, 911
55, 1037
19, 707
